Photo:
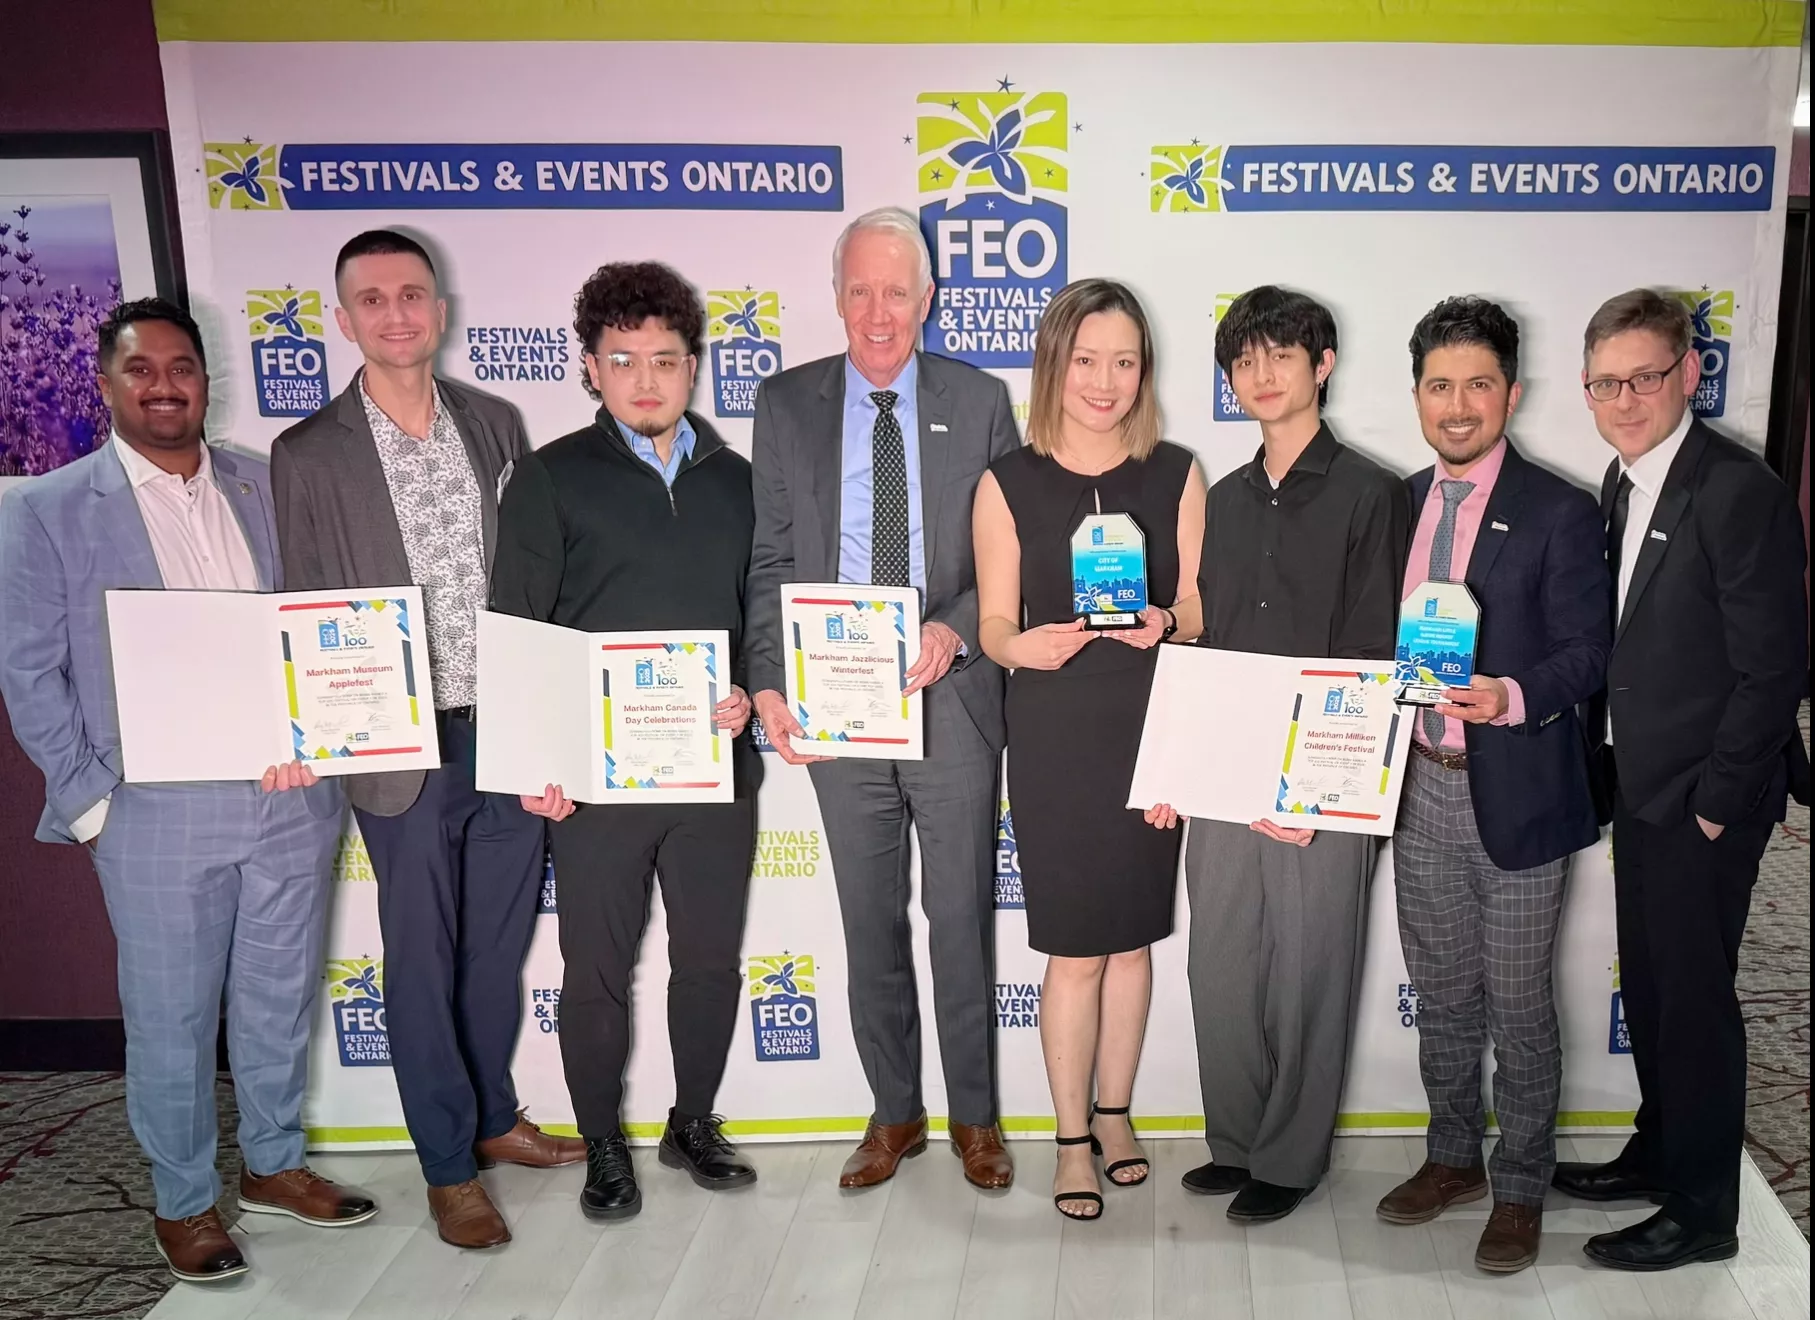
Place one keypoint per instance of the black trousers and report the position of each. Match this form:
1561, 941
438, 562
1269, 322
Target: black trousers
605, 858
1681, 902
458, 875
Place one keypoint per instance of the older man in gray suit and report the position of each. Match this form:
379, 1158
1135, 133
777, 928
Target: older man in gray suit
865, 467
397, 482
209, 886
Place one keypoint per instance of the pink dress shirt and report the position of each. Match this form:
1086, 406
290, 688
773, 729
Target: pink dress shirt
1468, 527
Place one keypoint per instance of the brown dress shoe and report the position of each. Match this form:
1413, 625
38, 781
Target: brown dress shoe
884, 1146
198, 1249
304, 1194
986, 1161
1510, 1241
529, 1145
1431, 1191
466, 1217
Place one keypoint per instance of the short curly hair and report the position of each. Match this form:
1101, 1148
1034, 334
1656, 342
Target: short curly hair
621, 295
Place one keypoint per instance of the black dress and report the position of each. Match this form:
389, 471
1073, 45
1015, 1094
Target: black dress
1098, 879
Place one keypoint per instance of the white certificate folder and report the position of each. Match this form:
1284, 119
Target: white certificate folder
336, 679
1307, 743
608, 717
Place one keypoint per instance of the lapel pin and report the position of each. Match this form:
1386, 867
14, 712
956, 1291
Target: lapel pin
1658, 536
1500, 526
936, 427
244, 489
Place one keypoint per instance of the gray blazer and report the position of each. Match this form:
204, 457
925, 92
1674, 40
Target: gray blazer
66, 538
337, 527
966, 423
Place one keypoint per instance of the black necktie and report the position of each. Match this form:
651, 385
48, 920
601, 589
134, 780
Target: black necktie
889, 510
1616, 536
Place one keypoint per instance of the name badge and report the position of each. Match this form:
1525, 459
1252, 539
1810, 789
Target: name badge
1109, 571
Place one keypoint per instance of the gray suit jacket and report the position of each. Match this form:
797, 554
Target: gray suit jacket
66, 539
338, 528
966, 423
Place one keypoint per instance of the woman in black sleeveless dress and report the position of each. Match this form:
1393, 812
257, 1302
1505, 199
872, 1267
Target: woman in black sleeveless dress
1099, 877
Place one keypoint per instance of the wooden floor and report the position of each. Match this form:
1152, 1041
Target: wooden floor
926, 1246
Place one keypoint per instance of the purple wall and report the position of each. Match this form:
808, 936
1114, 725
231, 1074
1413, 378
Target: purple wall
66, 66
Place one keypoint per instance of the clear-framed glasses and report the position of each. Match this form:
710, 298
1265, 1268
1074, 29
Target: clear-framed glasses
659, 364
1605, 389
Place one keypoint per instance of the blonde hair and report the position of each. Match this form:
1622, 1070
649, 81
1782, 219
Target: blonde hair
1052, 357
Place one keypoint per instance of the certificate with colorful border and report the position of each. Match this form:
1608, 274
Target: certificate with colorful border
337, 680
1341, 746
606, 717
849, 648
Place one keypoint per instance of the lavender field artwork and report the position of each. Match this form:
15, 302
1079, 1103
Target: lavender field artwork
59, 277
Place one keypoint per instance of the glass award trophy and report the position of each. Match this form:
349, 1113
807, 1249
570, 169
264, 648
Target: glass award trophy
1109, 571
1436, 650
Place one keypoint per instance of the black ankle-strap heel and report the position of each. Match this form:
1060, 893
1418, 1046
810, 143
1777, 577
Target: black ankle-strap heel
1095, 1198
1109, 1171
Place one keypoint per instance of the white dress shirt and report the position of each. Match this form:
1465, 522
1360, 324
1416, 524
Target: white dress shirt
199, 545
1647, 473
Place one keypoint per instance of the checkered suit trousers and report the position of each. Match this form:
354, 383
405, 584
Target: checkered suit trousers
1478, 942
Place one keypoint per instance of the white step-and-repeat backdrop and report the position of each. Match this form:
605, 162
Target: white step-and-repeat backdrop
1379, 175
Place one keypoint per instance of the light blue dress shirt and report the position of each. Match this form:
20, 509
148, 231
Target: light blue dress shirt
857, 492
644, 448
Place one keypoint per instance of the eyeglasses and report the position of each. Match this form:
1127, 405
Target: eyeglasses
1605, 389
662, 364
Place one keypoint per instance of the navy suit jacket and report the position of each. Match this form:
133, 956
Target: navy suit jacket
1539, 573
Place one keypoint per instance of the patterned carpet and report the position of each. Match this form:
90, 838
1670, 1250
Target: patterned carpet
75, 1193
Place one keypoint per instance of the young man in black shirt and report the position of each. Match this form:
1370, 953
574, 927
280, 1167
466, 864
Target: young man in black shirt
642, 521
1303, 552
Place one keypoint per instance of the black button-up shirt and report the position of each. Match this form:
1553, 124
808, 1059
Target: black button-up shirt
1312, 568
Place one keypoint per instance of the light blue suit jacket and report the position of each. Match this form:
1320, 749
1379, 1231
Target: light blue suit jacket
66, 538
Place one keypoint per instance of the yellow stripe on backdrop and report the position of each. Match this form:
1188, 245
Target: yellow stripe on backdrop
1732, 23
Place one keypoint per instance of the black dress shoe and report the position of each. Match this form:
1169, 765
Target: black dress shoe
1215, 1179
611, 1190
1262, 1202
1613, 1181
698, 1146
1660, 1243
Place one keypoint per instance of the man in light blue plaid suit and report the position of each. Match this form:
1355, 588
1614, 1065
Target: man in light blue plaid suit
209, 886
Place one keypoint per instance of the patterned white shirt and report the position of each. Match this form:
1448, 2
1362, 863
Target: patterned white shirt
437, 499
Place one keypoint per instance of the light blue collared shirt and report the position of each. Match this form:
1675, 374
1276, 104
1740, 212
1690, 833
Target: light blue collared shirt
857, 493
644, 448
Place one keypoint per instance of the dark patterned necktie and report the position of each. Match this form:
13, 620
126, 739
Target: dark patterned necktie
1443, 549
1616, 536
889, 496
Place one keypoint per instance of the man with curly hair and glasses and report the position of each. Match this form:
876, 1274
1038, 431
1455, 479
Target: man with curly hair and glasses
642, 521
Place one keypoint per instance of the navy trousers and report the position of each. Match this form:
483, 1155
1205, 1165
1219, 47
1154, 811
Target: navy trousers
458, 874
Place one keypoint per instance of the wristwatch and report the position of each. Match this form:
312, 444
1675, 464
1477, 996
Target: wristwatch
1171, 624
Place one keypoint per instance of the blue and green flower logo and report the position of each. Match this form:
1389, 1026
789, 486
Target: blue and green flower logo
784, 1013
356, 1000
1711, 339
1187, 178
244, 176
289, 353
744, 327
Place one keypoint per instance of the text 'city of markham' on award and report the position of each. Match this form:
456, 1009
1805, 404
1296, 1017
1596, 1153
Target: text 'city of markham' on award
1108, 572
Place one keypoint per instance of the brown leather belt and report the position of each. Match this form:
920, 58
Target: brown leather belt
1438, 756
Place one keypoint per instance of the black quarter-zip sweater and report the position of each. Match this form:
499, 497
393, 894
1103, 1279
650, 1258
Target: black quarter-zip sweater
590, 537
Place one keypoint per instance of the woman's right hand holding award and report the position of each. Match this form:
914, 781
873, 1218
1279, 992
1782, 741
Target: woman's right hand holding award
1050, 645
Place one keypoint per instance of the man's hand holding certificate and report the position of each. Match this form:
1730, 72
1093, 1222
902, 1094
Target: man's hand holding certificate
336, 683
1285, 743
605, 717
850, 654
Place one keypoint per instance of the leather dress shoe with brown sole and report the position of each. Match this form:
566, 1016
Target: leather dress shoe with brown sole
1431, 1191
986, 1160
880, 1153
465, 1216
304, 1194
197, 1248
530, 1146
1511, 1239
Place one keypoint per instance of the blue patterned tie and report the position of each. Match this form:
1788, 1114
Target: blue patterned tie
1443, 548
889, 495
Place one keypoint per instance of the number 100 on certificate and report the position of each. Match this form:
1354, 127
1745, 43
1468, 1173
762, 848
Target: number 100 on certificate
849, 648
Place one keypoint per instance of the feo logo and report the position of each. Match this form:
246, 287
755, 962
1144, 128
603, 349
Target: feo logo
1711, 339
1225, 407
1008, 861
1619, 1039
289, 356
244, 176
1187, 178
545, 1003
1408, 1006
993, 168
784, 1015
745, 330
356, 999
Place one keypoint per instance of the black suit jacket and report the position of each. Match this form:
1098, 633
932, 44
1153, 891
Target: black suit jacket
1711, 652
1539, 574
